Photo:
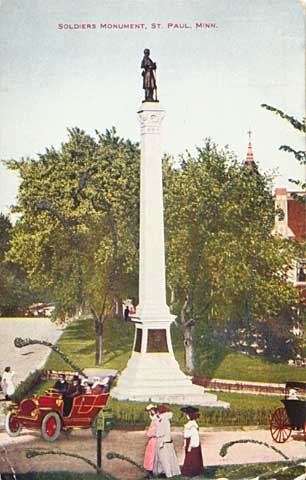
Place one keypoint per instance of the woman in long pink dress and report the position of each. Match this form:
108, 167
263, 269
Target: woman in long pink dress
150, 450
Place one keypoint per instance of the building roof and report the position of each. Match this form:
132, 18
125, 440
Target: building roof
280, 191
297, 218
293, 223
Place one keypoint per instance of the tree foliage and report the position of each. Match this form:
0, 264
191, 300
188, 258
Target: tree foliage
77, 233
14, 288
300, 126
300, 156
223, 263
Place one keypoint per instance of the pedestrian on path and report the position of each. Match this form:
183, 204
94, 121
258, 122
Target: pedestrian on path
126, 313
7, 383
150, 451
165, 459
193, 462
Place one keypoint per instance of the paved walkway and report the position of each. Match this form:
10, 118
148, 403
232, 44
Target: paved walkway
26, 359
132, 444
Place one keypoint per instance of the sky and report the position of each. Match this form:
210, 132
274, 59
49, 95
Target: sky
66, 63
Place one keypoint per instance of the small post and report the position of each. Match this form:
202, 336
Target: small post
99, 449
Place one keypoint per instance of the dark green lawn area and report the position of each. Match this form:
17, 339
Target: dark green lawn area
275, 471
78, 342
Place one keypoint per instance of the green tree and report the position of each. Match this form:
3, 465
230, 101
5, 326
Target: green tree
14, 288
300, 156
77, 233
300, 126
223, 264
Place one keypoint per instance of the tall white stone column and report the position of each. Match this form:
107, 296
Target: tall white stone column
152, 285
152, 373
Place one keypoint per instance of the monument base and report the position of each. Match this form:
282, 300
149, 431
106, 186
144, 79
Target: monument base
156, 377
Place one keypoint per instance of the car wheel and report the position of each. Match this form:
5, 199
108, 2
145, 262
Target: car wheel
51, 427
12, 425
94, 430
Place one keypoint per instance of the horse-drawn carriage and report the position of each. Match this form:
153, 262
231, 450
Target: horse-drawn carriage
292, 416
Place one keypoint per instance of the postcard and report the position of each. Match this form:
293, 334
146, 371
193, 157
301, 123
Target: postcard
94, 94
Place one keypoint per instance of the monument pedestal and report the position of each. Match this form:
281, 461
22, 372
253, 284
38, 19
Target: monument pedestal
152, 373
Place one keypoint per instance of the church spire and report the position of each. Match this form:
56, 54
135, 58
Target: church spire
250, 157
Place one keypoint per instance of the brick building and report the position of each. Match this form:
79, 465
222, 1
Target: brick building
292, 226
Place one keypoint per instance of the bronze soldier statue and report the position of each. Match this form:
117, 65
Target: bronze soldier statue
149, 81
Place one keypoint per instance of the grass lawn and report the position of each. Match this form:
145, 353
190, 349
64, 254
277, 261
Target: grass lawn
272, 471
275, 471
257, 369
78, 342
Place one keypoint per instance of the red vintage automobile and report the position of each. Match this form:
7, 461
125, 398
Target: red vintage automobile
46, 413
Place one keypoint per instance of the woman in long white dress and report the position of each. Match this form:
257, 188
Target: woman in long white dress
7, 383
165, 458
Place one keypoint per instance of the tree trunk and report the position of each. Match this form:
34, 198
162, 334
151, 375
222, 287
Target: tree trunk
118, 311
99, 341
187, 329
188, 346
99, 320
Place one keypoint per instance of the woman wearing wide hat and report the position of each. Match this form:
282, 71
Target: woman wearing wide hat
193, 462
165, 460
150, 451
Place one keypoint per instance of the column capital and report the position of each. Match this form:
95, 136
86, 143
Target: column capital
150, 116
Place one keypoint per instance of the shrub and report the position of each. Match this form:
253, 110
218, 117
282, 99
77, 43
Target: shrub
133, 415
25, 387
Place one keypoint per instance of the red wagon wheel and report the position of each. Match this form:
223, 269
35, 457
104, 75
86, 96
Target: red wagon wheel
280, 427
12, 425
51, 426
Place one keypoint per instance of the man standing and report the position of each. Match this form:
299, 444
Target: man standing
149, 82
126, 313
